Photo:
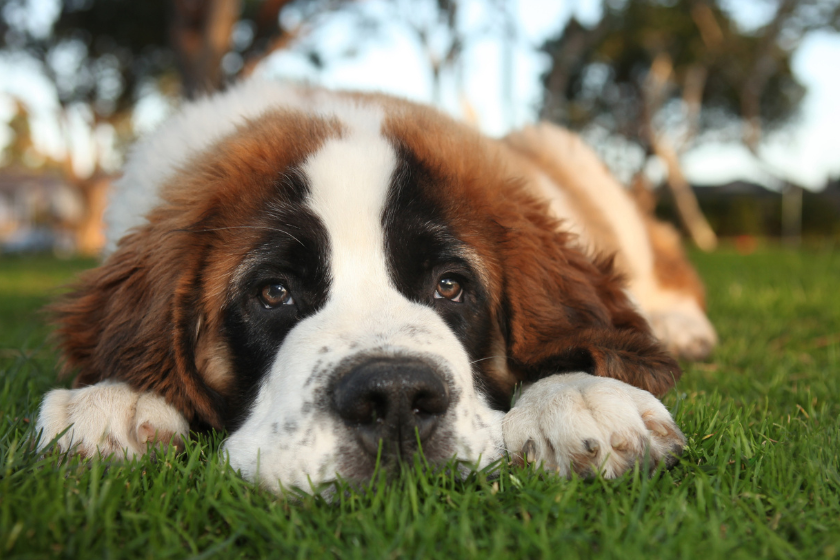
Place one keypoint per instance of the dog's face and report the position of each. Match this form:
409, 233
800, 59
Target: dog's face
360, 311
337, 287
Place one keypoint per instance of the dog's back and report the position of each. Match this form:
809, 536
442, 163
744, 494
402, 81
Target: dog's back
557, 165
607, 220
338, 278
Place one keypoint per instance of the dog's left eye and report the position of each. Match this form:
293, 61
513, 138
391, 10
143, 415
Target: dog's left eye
449, 288
274, 295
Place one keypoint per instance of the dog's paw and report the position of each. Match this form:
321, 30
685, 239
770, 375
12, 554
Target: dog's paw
582, 423
109, 418
687, 334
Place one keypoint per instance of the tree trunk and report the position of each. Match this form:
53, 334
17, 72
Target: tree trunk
90, 235
687, 207
200, 35
792, 215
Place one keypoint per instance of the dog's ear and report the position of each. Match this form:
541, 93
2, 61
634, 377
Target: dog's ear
567, 312
134, 319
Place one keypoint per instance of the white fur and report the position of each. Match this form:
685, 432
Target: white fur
605, 193
680, 324
289, 438
365, 315
195, 128
562, 209
200, 124
676, 317
108, 418
585, 423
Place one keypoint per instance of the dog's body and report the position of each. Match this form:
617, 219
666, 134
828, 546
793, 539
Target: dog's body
335, 276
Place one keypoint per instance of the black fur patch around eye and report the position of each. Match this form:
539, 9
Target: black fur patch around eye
421, 248
292, 250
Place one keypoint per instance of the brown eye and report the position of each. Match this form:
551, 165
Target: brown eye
274, 295
448, 288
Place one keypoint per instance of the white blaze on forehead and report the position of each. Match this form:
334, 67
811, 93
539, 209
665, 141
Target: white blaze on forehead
349, 179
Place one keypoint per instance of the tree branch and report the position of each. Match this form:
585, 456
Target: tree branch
761, 70
200, 35
687, 207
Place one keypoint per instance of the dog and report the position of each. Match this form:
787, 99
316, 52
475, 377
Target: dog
338, 279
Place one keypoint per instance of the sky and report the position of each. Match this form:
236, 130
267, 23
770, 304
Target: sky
806, 153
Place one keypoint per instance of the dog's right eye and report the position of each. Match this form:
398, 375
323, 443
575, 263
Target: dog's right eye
449, 288
274, 295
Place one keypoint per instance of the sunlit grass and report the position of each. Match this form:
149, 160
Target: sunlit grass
760, 477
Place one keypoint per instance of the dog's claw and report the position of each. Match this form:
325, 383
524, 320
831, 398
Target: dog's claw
529, 451
618, 443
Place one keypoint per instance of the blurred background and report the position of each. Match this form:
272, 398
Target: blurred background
723, 114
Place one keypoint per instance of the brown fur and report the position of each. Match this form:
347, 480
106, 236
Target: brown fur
135, 318
526, 142
151, 314
670, 265
561, 310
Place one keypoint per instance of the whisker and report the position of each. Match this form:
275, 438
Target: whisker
205, 230
487, 358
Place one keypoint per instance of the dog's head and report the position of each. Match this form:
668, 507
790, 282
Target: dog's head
346, 280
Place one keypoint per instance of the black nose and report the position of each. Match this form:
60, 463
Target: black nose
391, 400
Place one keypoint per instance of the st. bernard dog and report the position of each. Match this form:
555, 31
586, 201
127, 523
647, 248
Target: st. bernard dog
337, 279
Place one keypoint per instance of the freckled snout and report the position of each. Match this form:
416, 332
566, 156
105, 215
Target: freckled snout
391, 400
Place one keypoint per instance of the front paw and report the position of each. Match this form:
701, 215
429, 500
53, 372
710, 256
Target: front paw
109, 418
586, 424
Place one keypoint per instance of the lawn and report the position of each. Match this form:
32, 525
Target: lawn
760, 476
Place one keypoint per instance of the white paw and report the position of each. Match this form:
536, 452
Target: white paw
109, 418
687, 334
582, 423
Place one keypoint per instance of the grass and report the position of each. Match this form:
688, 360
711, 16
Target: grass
760, 477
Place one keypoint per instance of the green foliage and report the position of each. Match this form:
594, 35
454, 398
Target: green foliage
760, 477
94, 51
103, 52
598, 74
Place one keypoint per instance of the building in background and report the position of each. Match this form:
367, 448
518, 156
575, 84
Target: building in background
43, 212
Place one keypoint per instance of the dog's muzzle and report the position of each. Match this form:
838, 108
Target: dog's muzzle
395, 401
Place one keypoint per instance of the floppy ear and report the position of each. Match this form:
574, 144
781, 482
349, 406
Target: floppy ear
134, 318
567, 312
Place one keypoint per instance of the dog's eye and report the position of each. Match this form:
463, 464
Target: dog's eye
274, 295
449, 288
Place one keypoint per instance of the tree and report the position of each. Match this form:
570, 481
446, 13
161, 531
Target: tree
101, 51
665, 74
101, 55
